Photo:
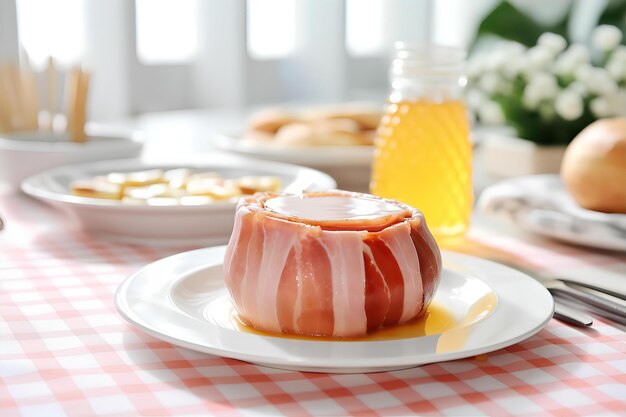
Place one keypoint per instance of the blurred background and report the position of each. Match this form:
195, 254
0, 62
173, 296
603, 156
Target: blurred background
159, 55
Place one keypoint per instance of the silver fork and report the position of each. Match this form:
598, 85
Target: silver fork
604, 304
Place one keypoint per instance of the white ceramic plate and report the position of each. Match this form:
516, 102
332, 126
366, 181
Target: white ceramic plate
349, 165
305, 155
542, 205
181, 299
162, 225
27, 153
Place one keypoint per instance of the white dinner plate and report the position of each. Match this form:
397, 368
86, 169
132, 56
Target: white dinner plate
207, 224
349, 165
182, 300
542, 205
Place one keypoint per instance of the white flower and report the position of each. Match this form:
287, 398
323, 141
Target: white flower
491, 113
541, 86
475, 98
601, 107
545, 82
584, 72
496, 59
539, 57
619, 53
489, 82
514, 59
616, 66
532, 97
569, 105
514, 66
475, 67
616, 69
579, 87
568, 62
552, 41
606, 37
598, 81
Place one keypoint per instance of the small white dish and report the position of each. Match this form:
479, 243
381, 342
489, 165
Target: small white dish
182, 300
542, 205
162, 225
27, 153
350, 166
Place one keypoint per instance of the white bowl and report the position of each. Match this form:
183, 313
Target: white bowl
27, 153
162, 225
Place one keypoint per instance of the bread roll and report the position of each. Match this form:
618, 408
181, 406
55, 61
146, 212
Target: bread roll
594, 166
319, 134
270, 120
367, 117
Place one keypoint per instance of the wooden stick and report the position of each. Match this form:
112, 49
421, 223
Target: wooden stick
77, 89
15, 97
72, 82
5, 108
30, 96
81, 107
51, 81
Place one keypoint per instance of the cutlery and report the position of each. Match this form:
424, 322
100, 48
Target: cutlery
562, 312
591, 287
616, 317
604, 305
571, 315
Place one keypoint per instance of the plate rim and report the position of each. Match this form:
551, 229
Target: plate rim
29, 186
132, 138
313, 155
305, 364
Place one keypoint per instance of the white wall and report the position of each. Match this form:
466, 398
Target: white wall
8, 31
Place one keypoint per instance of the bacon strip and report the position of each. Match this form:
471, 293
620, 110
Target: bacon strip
291, 275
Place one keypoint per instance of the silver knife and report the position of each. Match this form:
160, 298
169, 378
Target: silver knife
571, 315
590, 286
601, 305
615, 310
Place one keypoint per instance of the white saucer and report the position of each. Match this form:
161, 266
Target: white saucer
207, 224
181, 299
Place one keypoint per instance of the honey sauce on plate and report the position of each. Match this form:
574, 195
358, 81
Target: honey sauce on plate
437, 320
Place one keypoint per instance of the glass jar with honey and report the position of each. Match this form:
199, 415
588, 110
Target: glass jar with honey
423, 152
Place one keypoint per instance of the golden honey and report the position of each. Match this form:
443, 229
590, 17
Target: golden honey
423, 158
436, 320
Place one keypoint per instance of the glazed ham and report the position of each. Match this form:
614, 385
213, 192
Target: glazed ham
331, 264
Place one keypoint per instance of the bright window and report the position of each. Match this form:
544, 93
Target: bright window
364, 27
167, 31
271, 28
51, 28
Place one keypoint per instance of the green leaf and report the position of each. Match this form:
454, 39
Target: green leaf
507, 22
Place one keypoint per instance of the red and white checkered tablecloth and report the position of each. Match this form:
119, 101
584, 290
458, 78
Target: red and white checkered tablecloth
64, 350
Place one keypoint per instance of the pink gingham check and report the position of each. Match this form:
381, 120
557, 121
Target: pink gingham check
64, 350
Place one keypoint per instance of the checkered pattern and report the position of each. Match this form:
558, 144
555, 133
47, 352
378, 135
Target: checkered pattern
64, 350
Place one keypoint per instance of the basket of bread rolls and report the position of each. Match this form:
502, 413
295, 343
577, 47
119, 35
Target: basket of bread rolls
339, 125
